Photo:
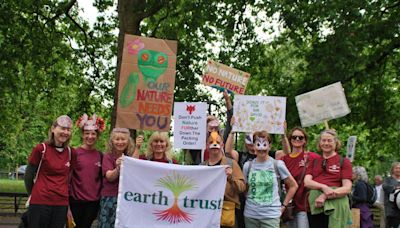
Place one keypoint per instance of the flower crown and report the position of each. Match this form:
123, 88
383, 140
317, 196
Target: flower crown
91, 123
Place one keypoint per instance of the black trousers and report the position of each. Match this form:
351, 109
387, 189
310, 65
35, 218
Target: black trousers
46, 216
84, 212
318, 220
392, 222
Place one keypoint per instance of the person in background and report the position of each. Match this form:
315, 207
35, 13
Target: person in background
391, 184
329, 180
235, 182
119, 144
378, 205
85, 182
158, 148
50, 162
297, 160
359, 196
263, 206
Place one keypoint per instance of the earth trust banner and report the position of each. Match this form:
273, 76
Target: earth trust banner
322, 104
190, 122
153, 194
147, 81
222, 77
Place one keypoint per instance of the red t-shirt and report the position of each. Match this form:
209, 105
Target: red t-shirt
51, 187
333, 173
86, 175
109, 188
164, 160
295, 166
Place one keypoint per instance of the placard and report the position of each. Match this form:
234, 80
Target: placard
351, 147
322, 104
222, 77
146, 85
167, 195
190, 125
258, 113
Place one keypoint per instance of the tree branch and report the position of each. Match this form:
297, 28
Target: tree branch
62, 10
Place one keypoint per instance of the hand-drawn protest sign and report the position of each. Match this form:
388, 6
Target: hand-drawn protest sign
190, 121
222, 77
322, 104
147, 81
258, 113
351, 147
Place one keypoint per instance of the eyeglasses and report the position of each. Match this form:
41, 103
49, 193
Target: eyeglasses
297, 137
324, 164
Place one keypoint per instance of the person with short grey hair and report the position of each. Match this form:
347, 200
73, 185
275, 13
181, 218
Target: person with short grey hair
360, 196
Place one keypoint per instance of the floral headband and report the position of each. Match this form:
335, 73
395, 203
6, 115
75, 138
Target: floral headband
92, 123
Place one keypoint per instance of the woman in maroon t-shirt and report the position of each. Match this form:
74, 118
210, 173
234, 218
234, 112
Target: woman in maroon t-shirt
158, 148
49, 193
120, 143
329, 181
85, 183
297, 161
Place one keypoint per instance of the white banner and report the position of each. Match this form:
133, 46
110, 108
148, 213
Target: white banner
351, 147
322, 104
190, 122
154, 194
258, 113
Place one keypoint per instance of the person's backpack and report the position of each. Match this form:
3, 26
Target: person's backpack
395, 198
371, 193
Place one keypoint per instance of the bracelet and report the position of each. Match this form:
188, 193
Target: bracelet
283, 205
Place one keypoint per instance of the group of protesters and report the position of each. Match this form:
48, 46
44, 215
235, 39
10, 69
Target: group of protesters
78, 185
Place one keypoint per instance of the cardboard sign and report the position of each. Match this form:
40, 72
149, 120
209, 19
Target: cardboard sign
258, 113
146, 86
190, 122
325, 103
351, 147
222, 77
167, 195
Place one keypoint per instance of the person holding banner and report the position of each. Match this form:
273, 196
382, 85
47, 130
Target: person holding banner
119, 144
263, 176
158, 148
235, 181
46, 177
297, 160
329, 180
85, 182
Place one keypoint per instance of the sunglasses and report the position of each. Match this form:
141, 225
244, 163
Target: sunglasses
324, 162
297, 137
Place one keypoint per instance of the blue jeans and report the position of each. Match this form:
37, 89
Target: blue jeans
300, 220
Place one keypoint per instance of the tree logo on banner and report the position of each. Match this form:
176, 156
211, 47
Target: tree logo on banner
177, 184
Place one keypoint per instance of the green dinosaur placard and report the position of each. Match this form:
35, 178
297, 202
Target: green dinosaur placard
147, 81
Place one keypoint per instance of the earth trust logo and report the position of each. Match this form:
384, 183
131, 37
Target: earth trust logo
176, 184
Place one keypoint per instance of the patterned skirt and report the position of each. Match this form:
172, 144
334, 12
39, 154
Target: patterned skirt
108, 208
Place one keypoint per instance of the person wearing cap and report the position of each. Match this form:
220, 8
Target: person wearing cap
119, 144
263, 175
85, 182
235, 182
297, 161
158, 148
46, 178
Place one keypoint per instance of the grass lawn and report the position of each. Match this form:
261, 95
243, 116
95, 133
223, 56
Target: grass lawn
12, 186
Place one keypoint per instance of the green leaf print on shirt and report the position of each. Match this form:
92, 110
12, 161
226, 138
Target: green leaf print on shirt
261, 184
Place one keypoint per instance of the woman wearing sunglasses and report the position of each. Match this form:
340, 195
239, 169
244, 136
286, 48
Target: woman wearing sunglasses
329, 180
297, 161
